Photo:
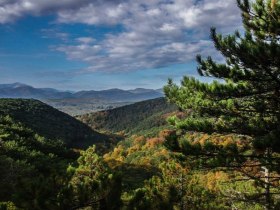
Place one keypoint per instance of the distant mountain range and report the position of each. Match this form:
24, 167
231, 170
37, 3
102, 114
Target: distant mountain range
19, 90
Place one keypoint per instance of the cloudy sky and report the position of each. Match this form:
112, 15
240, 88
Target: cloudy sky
101, 44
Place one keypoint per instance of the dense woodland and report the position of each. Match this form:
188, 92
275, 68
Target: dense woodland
146, 117
221, 151
51, 123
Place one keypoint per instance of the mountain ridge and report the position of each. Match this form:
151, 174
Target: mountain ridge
20, 90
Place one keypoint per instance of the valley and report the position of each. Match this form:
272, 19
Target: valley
80, 102
74, 107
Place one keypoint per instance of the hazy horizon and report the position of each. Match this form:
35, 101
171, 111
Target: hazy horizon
65, 90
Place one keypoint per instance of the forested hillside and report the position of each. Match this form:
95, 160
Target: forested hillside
140, 173
142, 117
50, 123
39, 150
30, 165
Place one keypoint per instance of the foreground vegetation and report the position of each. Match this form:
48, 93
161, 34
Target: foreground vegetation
140, 173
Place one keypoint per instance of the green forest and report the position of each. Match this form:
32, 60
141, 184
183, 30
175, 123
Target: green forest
205, 146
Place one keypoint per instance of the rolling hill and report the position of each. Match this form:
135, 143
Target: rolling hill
140, 117
50, 123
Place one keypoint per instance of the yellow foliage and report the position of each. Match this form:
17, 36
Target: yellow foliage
121, 159
227, 141
273, 3
204, 138
133, 149
213, 179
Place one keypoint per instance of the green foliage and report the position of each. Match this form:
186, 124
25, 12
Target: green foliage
93, 183
140, 173
244, 99
218, 150
7, 206
247, 102
50, 123
141, 118
35, 173
33, 168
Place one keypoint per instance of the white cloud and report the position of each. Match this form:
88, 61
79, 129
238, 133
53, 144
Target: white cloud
94, 13
156, 33
10, 10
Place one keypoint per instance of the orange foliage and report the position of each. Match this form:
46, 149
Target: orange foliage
241, 142
166, 133
152, 142
139, 139
180, 115
203, 139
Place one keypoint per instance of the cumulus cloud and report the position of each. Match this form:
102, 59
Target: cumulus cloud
10, 10
124, 56
96, 12
156, 33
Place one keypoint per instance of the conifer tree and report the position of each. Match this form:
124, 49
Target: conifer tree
245, 97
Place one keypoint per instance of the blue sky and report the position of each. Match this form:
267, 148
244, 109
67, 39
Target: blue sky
94, 44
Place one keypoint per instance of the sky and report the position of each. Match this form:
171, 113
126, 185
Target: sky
103, 44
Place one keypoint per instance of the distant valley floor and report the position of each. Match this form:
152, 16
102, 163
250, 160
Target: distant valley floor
76, 107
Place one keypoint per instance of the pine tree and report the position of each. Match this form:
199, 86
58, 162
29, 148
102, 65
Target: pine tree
245, 98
